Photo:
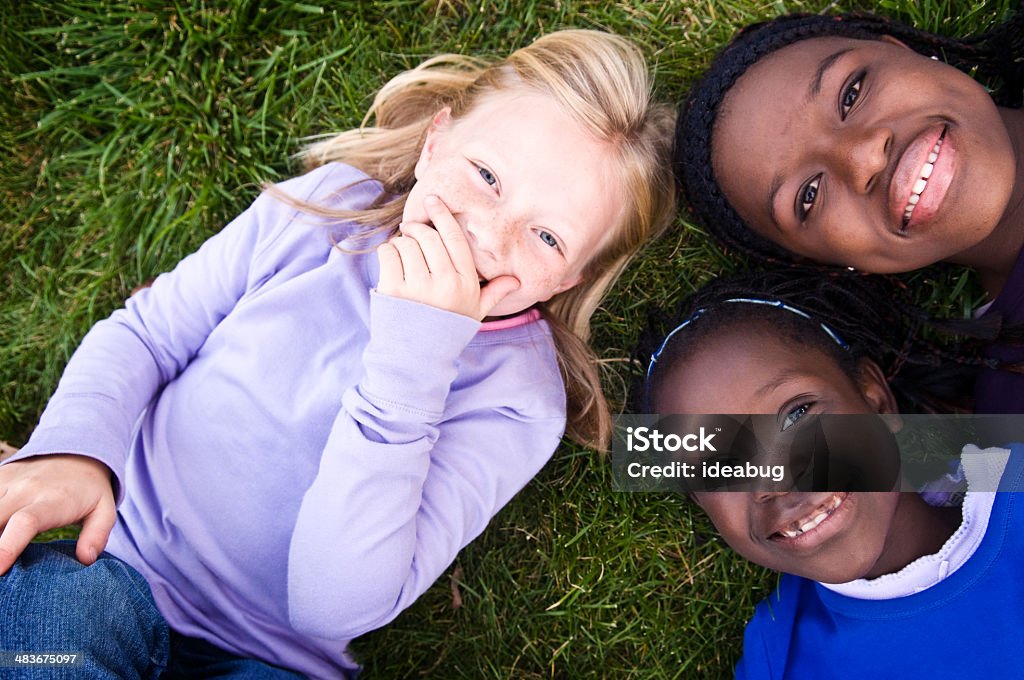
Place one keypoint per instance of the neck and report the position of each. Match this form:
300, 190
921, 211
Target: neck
917, 529
995, 256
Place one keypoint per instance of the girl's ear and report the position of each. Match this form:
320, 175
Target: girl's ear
442, 119
874, 387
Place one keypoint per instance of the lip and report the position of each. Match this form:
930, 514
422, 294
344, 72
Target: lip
909, 171
829, 527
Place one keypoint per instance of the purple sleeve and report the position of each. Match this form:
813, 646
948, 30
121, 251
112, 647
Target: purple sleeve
402, 487
125, 359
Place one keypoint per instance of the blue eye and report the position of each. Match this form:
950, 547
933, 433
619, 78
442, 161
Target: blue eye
795, 415
487, 175
548, 239
808, 195
849, 97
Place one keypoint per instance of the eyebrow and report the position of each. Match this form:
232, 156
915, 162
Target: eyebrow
813, 90
780, 380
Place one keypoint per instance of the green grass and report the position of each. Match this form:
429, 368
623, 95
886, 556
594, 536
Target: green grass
130, 132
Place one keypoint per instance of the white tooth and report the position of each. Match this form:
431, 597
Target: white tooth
919, 186
914, 198
926, 170
933, 156
811, 523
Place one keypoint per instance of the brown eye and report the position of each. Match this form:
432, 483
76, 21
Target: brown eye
808, 195
850, 96
795, 415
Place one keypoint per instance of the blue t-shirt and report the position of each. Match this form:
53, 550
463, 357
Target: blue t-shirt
969, 625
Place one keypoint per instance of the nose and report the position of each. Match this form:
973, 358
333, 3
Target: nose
489, 235
863, 155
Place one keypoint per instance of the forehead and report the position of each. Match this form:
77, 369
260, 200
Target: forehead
741, 369
792, 69
511, 118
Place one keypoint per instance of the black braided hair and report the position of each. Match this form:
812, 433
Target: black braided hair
871, 313
995, 57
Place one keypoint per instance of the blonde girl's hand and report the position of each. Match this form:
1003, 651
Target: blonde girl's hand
47, 492
435, 266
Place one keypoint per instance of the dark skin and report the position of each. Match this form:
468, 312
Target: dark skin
820, 145
855, 535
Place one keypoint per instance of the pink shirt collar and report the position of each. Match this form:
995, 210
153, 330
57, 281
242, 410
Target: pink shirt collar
529, 316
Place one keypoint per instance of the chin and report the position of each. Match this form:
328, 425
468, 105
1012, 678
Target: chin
839, 573
501, 311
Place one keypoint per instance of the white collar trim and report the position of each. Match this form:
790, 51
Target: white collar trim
983, 469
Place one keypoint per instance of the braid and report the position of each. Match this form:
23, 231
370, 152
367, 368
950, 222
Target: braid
870, 313
997, 57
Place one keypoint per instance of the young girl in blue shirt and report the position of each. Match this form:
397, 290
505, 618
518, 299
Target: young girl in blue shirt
290, 436
875, 584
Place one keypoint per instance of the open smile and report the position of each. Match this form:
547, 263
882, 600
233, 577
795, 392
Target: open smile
922, 178
810, 522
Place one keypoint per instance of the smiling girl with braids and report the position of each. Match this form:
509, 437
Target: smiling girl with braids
858, 141
873, 581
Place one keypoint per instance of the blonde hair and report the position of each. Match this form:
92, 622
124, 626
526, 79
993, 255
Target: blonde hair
601, 80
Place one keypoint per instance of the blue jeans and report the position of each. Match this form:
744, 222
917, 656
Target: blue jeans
50, 603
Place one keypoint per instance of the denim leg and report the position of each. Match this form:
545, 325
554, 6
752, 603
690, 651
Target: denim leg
50, 602
195, 658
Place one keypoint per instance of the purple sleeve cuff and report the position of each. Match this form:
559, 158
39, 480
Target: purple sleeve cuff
412, 357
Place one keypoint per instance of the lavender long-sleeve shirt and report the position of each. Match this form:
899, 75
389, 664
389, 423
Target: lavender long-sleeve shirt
299, 458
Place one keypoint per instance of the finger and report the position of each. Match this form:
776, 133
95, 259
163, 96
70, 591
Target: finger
390, 267
435, 254
496, 290
96, 530
451, 234
21, 528
413, 264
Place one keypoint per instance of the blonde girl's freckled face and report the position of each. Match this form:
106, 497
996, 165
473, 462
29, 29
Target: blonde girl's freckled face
533, 191
822, 147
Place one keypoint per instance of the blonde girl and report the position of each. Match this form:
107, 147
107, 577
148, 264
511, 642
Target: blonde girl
287, 438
